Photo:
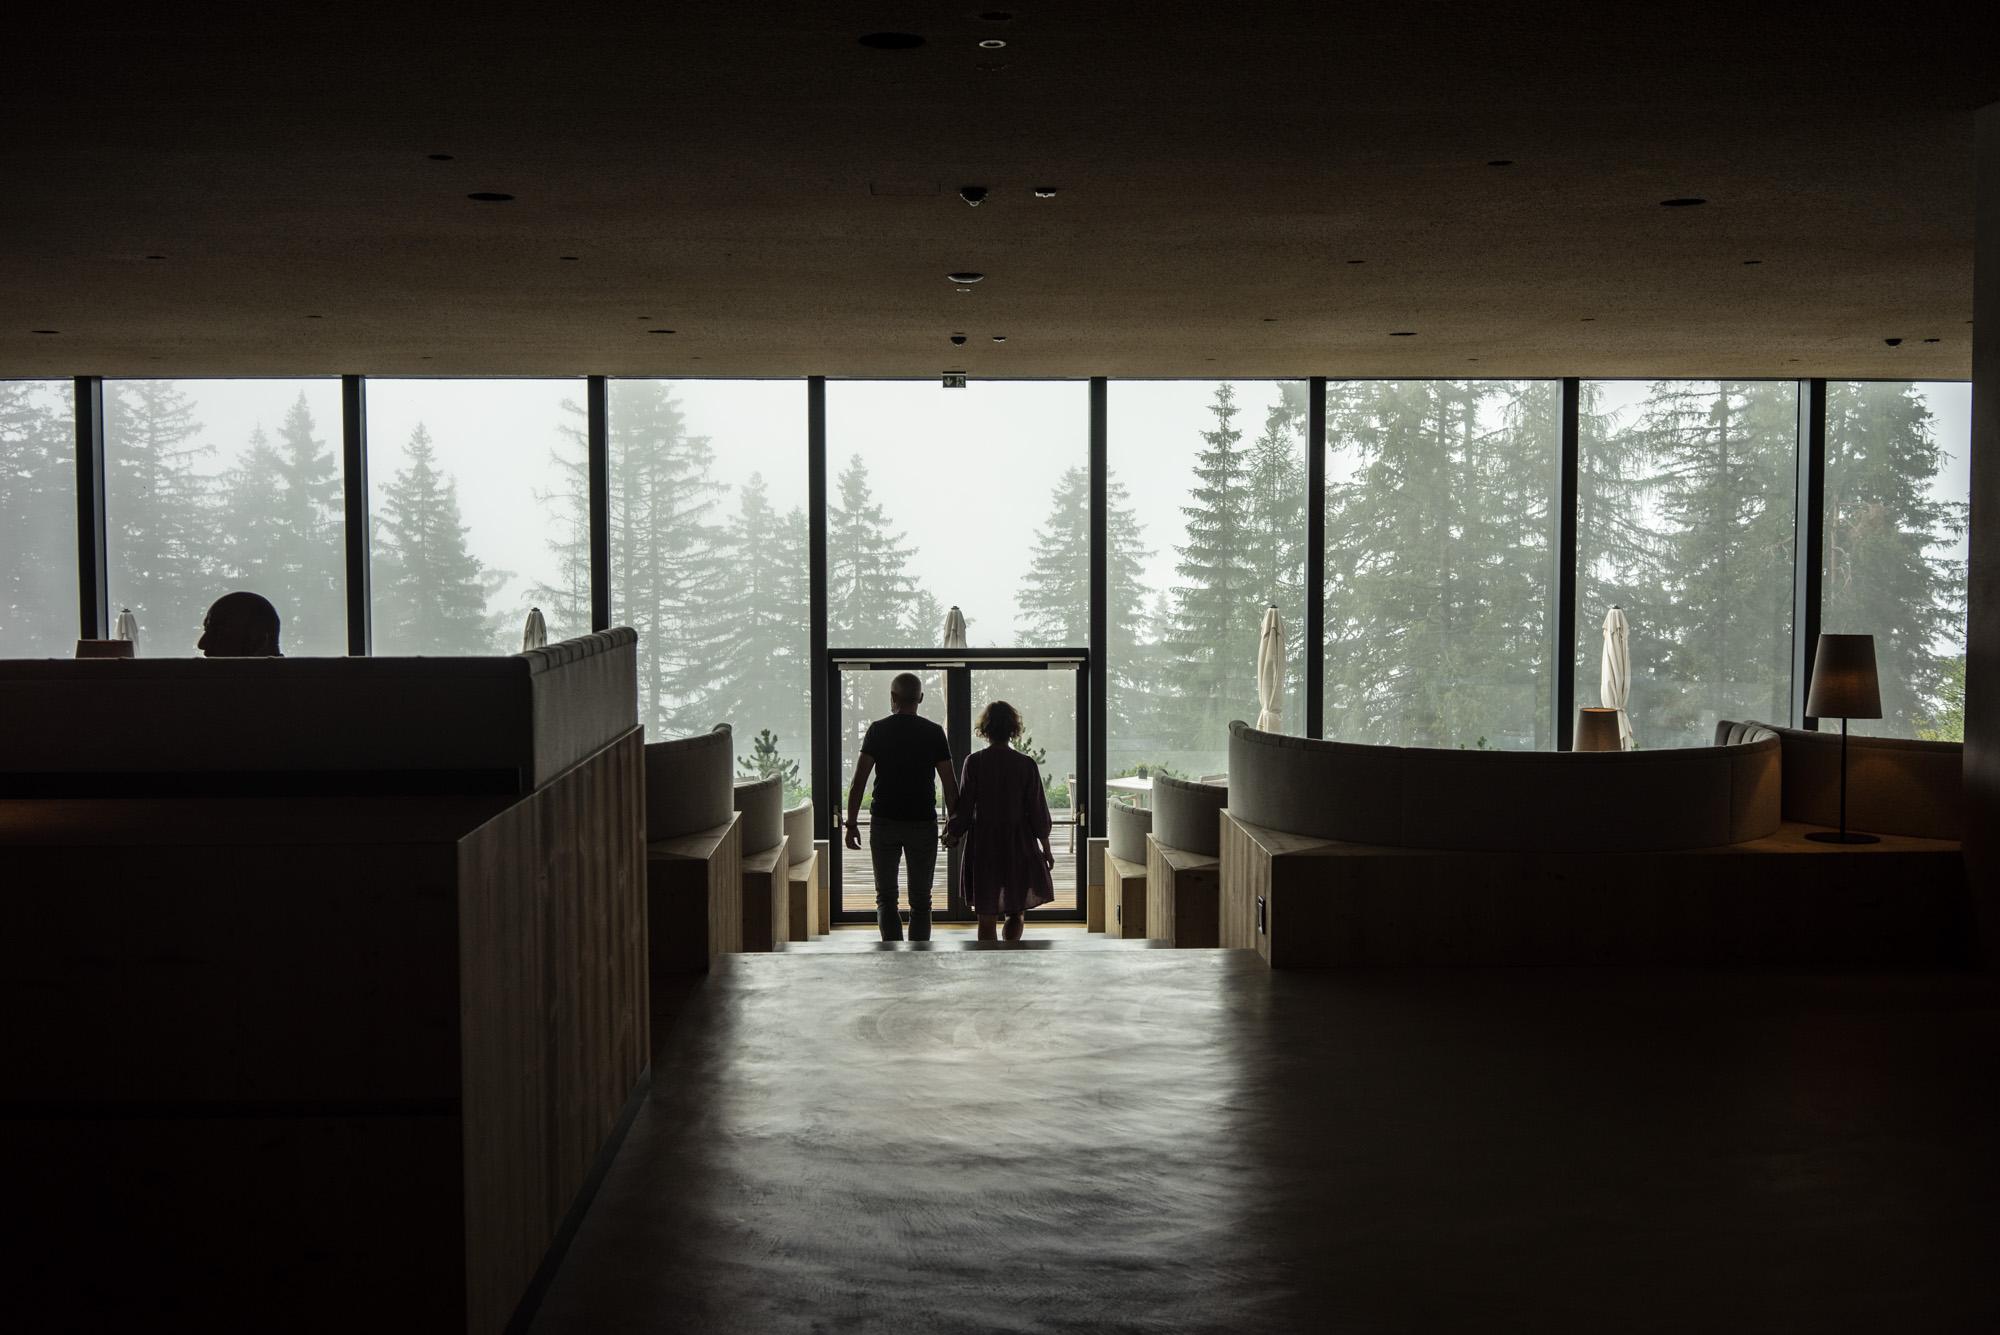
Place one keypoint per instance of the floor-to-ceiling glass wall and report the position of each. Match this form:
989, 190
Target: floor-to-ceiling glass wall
709, 562
38, 593
217, 485
1207, 493
1686, 502
1898, 483
480, 500
1439, 552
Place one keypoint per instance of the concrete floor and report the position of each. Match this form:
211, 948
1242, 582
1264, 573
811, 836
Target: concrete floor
1070, 1138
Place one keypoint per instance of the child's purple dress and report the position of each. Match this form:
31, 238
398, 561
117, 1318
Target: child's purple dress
1003, 813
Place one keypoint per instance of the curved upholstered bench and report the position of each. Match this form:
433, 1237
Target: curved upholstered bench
1894, 785
1183, 874
694, 851
767, 866
1506, 801
801, 921
1338, 854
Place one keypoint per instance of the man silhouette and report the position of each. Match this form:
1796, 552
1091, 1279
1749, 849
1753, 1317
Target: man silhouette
240, 625
904, 750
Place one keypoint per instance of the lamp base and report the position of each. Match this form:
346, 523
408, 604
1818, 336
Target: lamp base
1840, 837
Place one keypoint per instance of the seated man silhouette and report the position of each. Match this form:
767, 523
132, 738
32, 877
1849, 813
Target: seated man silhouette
240, 625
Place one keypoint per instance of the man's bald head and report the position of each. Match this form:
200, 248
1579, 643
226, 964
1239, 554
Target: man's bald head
240, 625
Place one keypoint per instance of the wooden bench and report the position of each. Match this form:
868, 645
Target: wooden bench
1183, 896
767, 889
694, 899
1095, 851
1306, 902
1124, 898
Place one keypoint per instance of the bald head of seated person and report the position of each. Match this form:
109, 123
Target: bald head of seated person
240, 625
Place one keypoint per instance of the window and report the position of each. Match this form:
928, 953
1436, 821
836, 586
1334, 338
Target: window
1898, 487
1439, 561
480, 504
217, 485
709, 563
1685, 512
1207, 493
38, 591
975, 498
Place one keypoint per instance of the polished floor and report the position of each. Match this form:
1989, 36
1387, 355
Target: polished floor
1076, 1137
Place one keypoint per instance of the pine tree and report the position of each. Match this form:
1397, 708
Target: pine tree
161, 512
312, 558
761, 674
1055, 598
1438, 572
1275, 532
252, 529
1883, 527
37, 521
765, 760
566, 602
1217, 606
670, 562
1719, 606
430, 591
871, 595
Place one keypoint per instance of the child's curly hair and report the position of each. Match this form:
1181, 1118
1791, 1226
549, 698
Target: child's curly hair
998, 720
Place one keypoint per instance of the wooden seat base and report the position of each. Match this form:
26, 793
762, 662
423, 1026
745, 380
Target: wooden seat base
694, 899
1124, 898
1183, 896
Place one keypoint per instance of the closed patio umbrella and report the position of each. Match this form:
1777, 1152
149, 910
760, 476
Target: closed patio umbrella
1271, 673
954, 628
1614, 676
535, 634
127, 627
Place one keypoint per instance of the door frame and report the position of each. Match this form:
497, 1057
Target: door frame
958, 667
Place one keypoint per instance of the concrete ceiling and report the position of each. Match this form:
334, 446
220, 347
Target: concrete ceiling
254, 193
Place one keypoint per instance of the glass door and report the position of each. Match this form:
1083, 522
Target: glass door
1047, 687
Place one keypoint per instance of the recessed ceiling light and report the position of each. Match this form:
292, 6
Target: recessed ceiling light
1045, 192
1681, 202
1753, 261
45, 331
997, 15
1357, 261
891, 41
1930, 340
1500, 162
1270, 319
440, 157
566, 257
1893, 342
1590, 319
490, 197
156, 257
315, 317
964, 276
992, 44
1402, 333
999, 338
659, 331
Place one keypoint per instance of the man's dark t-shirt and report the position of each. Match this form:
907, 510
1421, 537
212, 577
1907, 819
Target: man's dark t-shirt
906, 749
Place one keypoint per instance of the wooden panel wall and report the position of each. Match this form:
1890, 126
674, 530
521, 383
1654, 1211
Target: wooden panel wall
553, 990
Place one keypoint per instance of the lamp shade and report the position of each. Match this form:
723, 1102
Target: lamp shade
1597, 730
1843, 679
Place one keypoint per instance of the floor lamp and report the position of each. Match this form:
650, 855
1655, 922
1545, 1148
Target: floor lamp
1844, 686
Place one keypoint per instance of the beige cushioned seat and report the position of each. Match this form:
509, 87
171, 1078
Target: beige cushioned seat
1415, 797
799, 833
1188, 815
762, 803
689, 787
1894, 785
1126, 828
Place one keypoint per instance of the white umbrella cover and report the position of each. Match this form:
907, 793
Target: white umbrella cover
535, 634
1614, 674
1271, 673
954, 628
127, 627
